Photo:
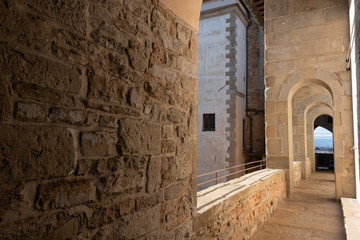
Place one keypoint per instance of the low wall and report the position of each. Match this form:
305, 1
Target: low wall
234, 210
297, 172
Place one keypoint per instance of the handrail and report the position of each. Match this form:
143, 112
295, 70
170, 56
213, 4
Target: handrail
262, 163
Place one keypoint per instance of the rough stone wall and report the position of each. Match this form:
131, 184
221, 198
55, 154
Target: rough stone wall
255, 89
306, 44
245, 204
97, 120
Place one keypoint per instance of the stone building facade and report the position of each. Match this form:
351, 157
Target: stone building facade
98, 115
305, 71
221, 85
230, 87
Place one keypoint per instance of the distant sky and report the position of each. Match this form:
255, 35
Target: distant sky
322, 133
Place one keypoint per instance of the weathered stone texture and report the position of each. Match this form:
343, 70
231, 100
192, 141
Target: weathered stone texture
305, 69
97, 111
237, 210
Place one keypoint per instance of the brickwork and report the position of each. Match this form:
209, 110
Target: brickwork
98, 103
236, 209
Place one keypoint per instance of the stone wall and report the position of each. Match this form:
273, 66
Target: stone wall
306, 45
97, 120
235, 210
297, 172
255, 139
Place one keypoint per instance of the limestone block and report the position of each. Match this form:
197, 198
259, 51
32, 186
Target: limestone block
167, 146
174, 191
30, 112
281, 24
284, 146
284, 67
139, 137
271, 119
348, 186
333, 3
106, 89
270, 106
307, 19
97, 143
168, 131
67, 230
5, 100
69, 12
282, 131
37, 152
23, 28
168, 171
153, 174
69, 46
86, 167
34, 69
339, 148
131, 181
309, 5
347, 120
274, 146
282, 119
64, 193
281, 107
164, 72
277, 162
138, 56
312, 33
337, 119
346, 103
184, 164
276, 8
339, 13
175, 116
271, 132
43, 94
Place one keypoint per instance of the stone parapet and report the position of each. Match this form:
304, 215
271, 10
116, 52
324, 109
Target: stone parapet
235, 209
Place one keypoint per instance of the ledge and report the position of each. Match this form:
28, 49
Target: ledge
215, 199
351, 211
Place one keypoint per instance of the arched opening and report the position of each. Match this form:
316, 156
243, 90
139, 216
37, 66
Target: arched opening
324, 143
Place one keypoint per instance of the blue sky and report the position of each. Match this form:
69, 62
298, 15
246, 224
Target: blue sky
322, 133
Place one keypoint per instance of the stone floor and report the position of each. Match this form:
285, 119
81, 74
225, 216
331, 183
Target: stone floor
312, 213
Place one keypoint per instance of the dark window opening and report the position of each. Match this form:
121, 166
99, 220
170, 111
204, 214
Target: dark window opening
209, 122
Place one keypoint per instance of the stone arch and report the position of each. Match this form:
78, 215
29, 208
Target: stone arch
309, 76
312, 113
279, 116
303, 99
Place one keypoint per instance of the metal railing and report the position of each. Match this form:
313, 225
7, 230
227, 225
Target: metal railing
260, 164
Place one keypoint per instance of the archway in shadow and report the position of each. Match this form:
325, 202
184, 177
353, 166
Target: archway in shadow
324, 143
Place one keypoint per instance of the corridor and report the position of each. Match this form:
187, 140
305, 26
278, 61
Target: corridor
312, 213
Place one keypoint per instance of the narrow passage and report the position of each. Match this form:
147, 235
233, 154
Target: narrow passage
312, 213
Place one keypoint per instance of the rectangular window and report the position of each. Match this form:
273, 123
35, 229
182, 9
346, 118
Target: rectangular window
209, 122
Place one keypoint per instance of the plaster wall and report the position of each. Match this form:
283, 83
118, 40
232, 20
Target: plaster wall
240, 89
222, 86
212, 97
